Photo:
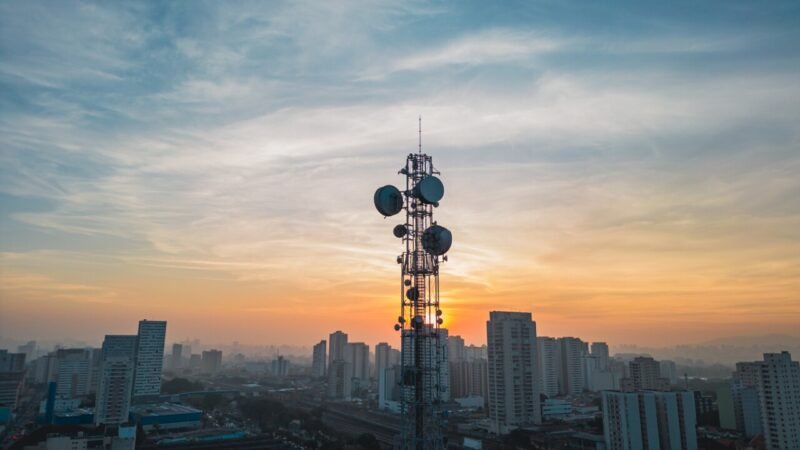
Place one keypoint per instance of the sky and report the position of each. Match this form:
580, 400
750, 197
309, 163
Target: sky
627, 171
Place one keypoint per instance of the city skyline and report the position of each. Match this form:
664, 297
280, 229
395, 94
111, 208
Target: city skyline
213, 167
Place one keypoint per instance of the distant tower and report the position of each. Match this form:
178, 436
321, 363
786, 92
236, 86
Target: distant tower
426, 243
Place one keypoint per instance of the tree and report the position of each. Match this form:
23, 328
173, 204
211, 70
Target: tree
180, 385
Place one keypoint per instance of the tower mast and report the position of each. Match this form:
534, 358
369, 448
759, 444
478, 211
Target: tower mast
423, 342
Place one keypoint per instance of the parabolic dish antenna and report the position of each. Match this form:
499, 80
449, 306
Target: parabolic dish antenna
388, 200
429, 189
437, 240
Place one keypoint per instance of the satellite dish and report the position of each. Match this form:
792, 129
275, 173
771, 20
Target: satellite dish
412, 294
429, 189
388, 200
400, 231
437, 240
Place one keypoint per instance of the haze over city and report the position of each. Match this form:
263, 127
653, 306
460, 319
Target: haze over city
627, 172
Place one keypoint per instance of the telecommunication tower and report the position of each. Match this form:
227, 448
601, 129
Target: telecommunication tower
422, 345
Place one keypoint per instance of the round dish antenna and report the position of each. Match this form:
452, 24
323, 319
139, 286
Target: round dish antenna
437, 240
388, 200
429, 189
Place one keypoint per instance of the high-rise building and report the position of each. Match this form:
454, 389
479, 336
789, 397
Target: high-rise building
319, 360
280, 367
195, 361
383, 357
645, 374
357, 354
513, 375
779, 392
177, 356
12, 377
456, 350
12, 362
746, 403
28, 349
337, 347
116, 379
43, 369
549, 365
469, 379
600, 351
475, 352
591, 367
96, 359
571, 375
73, 374
149, 358
212, 361
649, 420
340, 379
668, 370
389, 388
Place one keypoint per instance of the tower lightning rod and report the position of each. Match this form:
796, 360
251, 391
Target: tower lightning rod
420, 133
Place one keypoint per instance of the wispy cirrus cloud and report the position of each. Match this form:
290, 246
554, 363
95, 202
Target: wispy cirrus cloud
241, 145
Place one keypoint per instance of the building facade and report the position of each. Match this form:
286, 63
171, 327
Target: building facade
319, 360
652, 420
149, 358
779, 390
549, 362
513, 382
571, 374
115, 386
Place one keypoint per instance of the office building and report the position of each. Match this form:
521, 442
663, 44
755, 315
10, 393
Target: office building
211, 361
319, 360
73, 372
337, 347
600, 351
571, 374
649, 420
115, 386
149, 358
549, 361
512, 368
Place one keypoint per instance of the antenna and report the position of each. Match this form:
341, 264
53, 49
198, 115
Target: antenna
420, 133
423, 341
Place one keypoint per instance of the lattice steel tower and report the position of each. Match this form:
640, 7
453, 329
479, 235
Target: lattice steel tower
422, 345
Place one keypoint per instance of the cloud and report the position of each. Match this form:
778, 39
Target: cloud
243, 144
